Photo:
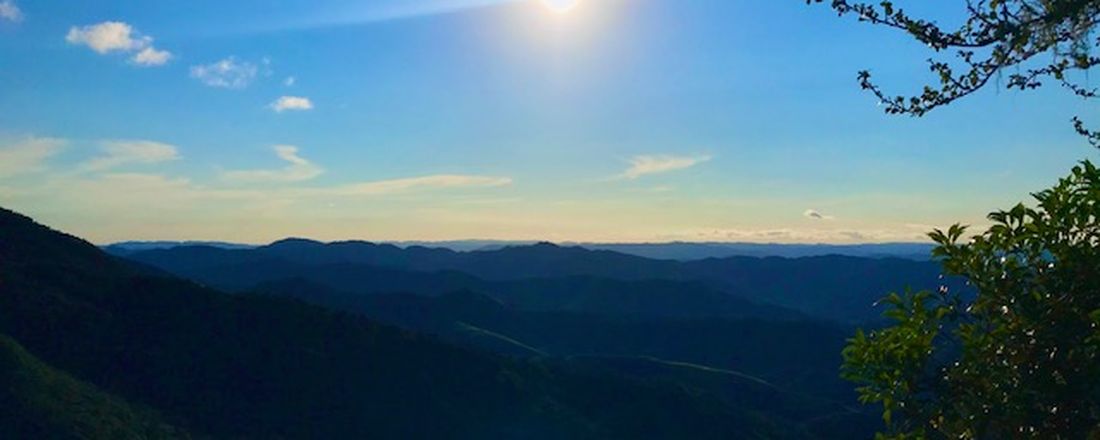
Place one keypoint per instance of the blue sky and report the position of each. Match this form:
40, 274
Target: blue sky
616, 120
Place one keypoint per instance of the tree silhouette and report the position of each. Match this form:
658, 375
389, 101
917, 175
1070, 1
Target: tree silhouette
997, 35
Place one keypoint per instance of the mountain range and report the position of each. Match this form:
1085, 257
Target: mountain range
832, 287
682, 251
151, 350
303, 339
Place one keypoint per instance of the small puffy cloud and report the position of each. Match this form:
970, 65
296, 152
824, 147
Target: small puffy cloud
290, 81
137, 152
420, 183
116, 36
27, 155
151, 57
9, 11
106, 37
291, 103
229, 73
816, 215
298, 169
647, 165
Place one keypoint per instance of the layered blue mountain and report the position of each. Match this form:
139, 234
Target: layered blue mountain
163, 357
550, 277
682, 251
698, 251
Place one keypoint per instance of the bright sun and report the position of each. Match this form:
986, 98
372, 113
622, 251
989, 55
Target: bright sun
560, 6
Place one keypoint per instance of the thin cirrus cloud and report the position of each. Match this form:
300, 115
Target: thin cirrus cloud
298, 169
27, 155
115, 36
228, 73
291, 103
10, 11
441, 181
792, 235
641, 166
135, 152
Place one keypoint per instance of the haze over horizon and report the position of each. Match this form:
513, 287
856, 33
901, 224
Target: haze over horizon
428, 120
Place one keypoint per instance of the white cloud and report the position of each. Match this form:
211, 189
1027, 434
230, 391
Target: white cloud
116, 36
27, 155
228, 73
120, 153
816, 215
9, 11
299, 169
151, 57
416, 183
647, 165
290, 81
291, 103
109, 36
793, 235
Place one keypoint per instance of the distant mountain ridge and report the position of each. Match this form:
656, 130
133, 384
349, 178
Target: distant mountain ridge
831, 287
128, 247
682, 251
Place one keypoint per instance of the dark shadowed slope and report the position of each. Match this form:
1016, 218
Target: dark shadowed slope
247, 366
40, 402
834, 287
786, 367
798, 355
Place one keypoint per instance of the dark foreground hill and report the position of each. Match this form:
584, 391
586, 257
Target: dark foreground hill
260, 367
41, 402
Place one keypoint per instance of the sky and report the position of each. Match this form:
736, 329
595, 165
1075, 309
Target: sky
560, 120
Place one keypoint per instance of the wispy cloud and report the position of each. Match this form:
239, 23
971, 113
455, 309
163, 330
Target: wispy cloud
131, 152
10, 11
290, 81
797, 235
291, 103
229, 73
115, 36
298, 169
419, 183
647, 165
27, 155
816, 215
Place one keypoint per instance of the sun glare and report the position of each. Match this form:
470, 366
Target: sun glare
560, 6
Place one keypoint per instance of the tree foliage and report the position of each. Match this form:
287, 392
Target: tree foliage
1021, 359
1024, 42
